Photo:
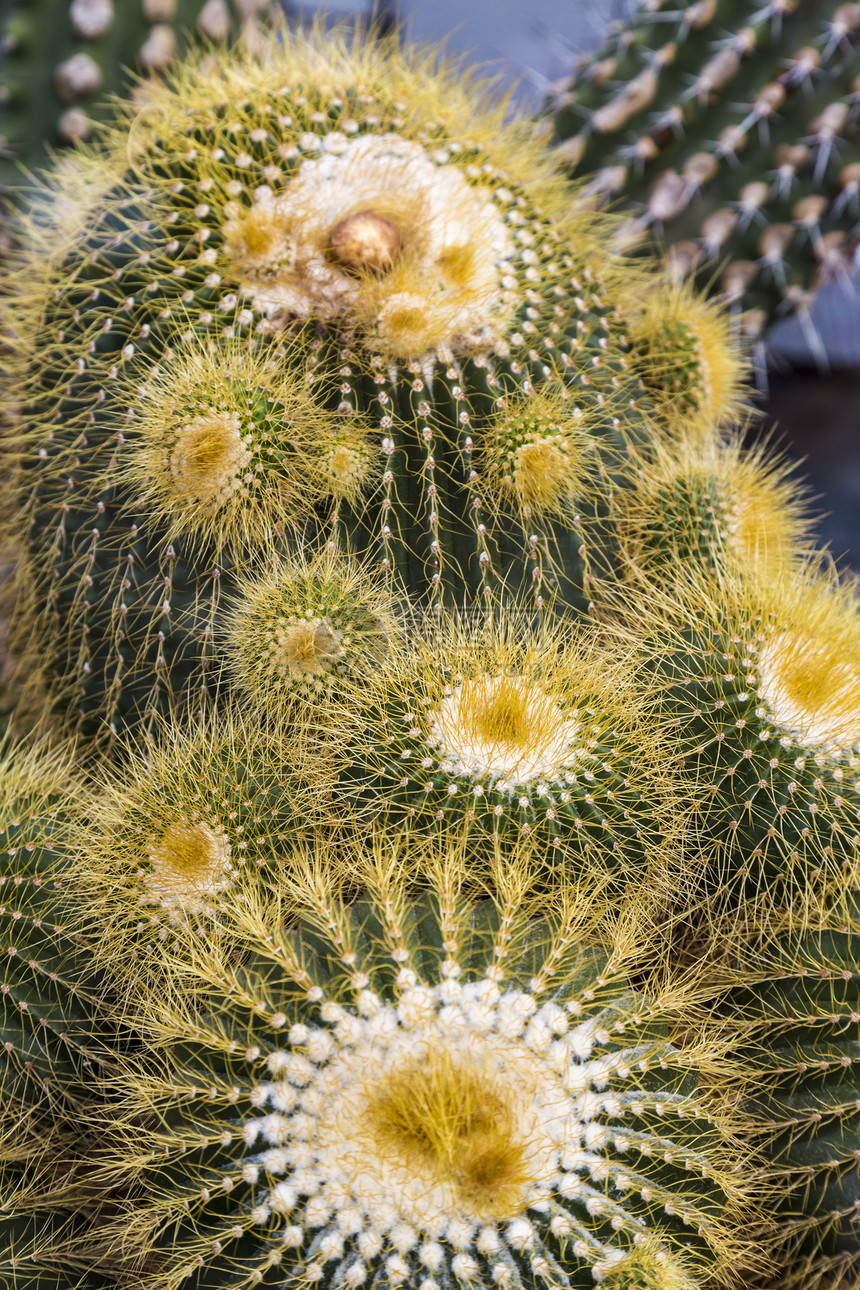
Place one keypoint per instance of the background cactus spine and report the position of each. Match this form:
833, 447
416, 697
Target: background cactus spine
730, 132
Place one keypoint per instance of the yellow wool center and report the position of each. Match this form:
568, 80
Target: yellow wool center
346, 469
458, 1125
189, 860
208, 454
540, 473
306, 646
501, 717
809, 689
365, 240
457, 265
506, 726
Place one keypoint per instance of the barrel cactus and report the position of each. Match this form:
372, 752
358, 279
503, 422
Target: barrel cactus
423, 1090
731, 135
355, 308
508, 733
807, 1010
759, 673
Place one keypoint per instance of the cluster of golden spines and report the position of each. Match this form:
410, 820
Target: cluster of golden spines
688, 357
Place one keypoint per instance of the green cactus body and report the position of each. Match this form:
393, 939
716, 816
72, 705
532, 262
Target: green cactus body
808, 1052
730, 130
227, 243
54, 1028
422, 1091
759, 676
514, 735
62, 60
180, 832
715, 506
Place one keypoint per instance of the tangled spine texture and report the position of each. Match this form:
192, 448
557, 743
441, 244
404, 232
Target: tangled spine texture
424, 1093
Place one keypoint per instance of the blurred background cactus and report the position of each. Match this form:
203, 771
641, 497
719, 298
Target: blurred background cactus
731, 135
62, 60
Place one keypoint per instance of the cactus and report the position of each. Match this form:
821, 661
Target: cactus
807, 1007
513, 734
715, 505
54, 1026
178, 833
62, 58
730, 131
283, 285
305, 630
328, 418
418, 1088
759, 675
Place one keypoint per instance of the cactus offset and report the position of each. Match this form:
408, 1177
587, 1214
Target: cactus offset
730, 131
508, 734
760, 680
53, 1023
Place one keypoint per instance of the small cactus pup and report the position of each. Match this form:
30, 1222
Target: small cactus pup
688, 357
323, 282
807, 1008
732, 137
716, 505
509, 733
420, 1091
55, 1030
179, 831
303, 630
759, 675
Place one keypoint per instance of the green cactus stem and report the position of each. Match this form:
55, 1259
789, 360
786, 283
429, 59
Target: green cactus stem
717, 505
54, 1029
729, 130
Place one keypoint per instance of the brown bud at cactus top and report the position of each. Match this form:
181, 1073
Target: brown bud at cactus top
365, 240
